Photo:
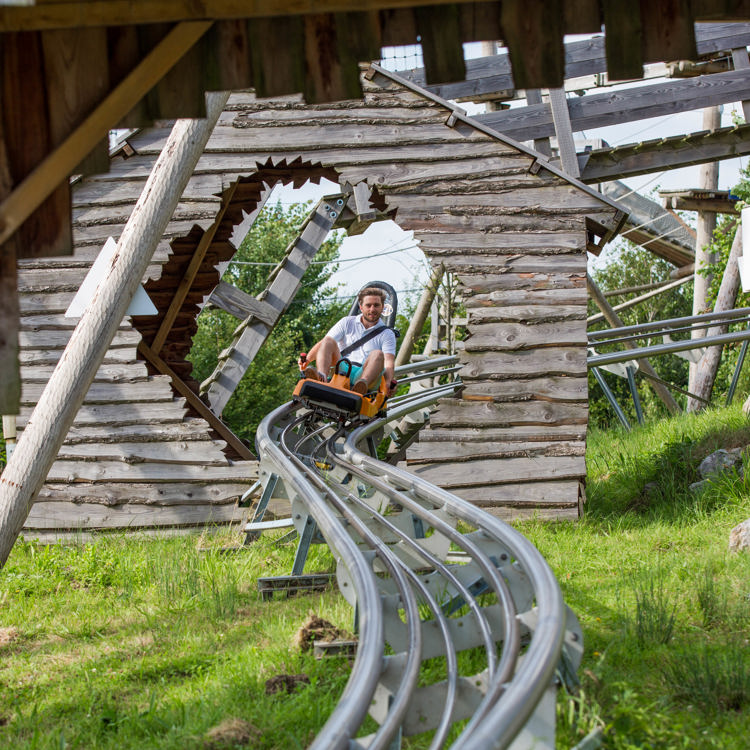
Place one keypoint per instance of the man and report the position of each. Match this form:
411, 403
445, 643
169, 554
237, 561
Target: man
376, 354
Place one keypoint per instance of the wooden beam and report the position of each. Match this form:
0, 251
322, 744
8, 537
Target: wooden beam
624, 45
657, 155
487, 76
714, 205
55, 168
190, 272
69, 13
45, 229
565, 145
45, 432
740, 61
241, 304
10, 376
195, 402
616, 107
442, 46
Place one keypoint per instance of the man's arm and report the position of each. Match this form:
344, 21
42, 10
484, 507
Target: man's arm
389, 362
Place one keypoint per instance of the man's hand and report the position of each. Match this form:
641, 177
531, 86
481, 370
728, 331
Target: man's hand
392, 387
302, 361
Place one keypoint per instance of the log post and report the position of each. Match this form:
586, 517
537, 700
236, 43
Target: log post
39, 443
616, 322
419, 316
704, 258
708, 364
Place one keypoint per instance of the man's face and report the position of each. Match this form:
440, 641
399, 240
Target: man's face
371, 307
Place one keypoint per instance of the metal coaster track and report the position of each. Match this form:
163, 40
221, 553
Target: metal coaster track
440, 587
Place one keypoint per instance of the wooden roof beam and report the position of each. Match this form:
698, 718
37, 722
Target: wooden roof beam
616, 107
486, 76
56, 167
604, 165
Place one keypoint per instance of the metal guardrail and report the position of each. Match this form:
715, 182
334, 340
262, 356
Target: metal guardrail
472, 616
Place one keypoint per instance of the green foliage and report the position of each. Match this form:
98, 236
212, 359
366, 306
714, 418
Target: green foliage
711, 676
653, 621
627, 265
270, 379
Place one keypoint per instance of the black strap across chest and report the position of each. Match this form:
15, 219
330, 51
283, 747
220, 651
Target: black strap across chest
374, 331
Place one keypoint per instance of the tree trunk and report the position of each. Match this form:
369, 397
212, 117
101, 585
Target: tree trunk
708, 365
37, 448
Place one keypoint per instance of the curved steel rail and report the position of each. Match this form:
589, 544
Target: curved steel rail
472, 615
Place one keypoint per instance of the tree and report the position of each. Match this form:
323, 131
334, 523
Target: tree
270, 379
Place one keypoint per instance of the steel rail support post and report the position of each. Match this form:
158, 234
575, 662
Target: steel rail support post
611, 398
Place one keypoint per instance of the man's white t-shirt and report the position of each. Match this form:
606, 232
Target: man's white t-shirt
351, 329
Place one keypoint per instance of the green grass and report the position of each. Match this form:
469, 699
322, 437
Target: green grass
133, 642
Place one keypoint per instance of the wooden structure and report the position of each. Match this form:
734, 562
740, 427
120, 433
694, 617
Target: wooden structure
72, 70
511, 228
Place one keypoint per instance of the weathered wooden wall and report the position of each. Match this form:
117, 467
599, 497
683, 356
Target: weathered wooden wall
514, 235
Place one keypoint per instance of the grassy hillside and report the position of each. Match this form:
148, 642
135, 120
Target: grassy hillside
131, 642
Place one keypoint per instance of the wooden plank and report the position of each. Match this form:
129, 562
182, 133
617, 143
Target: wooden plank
155, 390
10, 379
52, 356
423, 453
543, 389
180, 91
526, 363
442, 44
61, 515
123, 51
229, 66
668, 30
194, 452
566, 512
461, 413
534, 35
241, 304
513, 336
558, 103
191, 428
442, 243
118, 471
492, 289
617, 107
491, 472
278, 59
77, 73
517, 433
526, 313
59, 339
191, 271
523, 265
109, 373
150, 493
55, 166
623, 39
541, 494
330, 74
120, 414
195, 403
42, 218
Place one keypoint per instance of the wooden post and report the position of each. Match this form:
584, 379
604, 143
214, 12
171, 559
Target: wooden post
419, 316
616, 322
37, 448
708, 180
708, 365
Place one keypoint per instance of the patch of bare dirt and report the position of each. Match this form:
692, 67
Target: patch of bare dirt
231, 733
316, 629
286, 683
7, 636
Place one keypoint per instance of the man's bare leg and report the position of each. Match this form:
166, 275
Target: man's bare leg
327, 356
372, 368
